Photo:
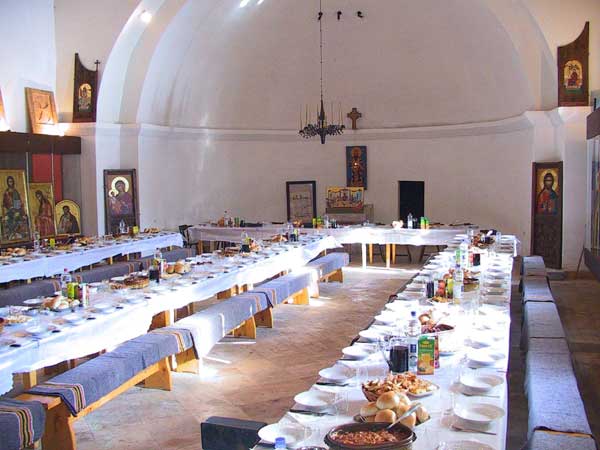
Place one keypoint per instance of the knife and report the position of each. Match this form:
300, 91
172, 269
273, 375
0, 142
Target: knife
310, 413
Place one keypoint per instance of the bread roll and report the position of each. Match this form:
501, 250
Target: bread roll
386, 415
368, 410
401, 409
389, 400
370, 419
404, 398
180, 267
422, 414
410, 421
170, 268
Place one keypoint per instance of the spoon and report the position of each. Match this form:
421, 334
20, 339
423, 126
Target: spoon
410, 410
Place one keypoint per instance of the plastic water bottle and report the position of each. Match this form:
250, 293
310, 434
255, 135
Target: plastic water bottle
65, 279
280, 443
459, 280
413, 332
409, 220
464, 254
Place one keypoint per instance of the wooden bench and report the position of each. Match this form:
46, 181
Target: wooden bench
145, 359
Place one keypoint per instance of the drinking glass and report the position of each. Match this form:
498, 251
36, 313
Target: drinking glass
341, 403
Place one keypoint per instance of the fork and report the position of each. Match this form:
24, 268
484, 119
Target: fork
470, 430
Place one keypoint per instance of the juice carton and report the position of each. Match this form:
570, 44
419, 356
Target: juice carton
426, 355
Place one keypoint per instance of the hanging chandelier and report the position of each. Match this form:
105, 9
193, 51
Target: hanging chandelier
321, 127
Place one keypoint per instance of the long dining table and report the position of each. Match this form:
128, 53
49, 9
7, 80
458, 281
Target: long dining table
39, 264
365, 235
115, 316
479, 345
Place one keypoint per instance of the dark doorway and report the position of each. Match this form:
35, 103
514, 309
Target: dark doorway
411, 199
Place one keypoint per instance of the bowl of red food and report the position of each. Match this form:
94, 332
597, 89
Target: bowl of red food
370, 436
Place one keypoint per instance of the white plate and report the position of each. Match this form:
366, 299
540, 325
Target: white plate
399, 306
103, 306
336, 374
356, 352
479, 413
73, 318
408, 295
371, 335
314, 400
118, 279
464, 445
33, 301
485, 358
38, 331
496, 291
480, 382
293, 434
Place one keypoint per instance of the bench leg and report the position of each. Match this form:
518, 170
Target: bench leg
163, 319
161, 379
247, 329
187, 362
393, 253
264, 318
59, 434
301, 297
337, 276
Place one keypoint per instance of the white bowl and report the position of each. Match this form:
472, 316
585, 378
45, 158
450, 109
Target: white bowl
479, 413
357, 352
314, 400
480, 382
103, 306
399, 306
38, 331
336, 374
386, 318
371, 335
293, 434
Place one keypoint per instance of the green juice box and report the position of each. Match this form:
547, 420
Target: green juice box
426, 355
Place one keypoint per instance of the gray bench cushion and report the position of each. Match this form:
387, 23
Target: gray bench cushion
276, 290
330, 263
21, 423
536, 289
553, 395
16, 295
533, 266
89, 382
548, 441
541, 320
297, 281
103, 273
258, 301
548, 345
210, 325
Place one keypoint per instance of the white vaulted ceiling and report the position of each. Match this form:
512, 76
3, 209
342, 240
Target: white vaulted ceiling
252, 65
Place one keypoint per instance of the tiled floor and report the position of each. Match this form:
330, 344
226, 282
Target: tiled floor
257, 380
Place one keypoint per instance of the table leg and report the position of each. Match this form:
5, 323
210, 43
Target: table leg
387, 256
394, 254
370, 253
363, 249
29, 379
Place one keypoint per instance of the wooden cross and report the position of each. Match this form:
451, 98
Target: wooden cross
354, 115
97, 63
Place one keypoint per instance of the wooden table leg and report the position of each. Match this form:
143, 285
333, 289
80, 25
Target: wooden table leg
29, 379
394, 254
387, 256
163, 319
370, 253
363, 249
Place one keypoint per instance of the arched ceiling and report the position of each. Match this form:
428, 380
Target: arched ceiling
252, 64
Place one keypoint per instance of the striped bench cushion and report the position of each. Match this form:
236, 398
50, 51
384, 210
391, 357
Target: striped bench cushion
21, 423
541, 440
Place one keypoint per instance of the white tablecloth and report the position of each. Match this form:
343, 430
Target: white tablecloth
492, 324
109, 330
344, 235
47, 266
